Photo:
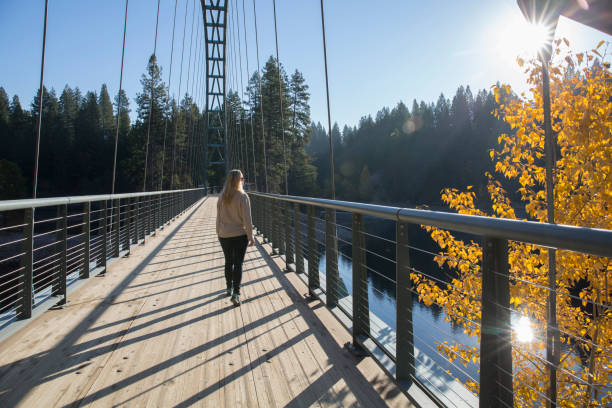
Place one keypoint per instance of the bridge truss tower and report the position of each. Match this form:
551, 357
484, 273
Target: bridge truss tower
215, 23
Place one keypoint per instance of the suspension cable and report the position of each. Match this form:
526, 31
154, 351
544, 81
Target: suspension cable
198, 152
119, 98
233, 116
178, 107
246, 53
40, 102
263, 134
196, 75
144, 181
243, 121
161, 180
237, 126
280, 98
331, 148
186, 146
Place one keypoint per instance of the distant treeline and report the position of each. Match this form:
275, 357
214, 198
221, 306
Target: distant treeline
78, 140
407, 156
402, 155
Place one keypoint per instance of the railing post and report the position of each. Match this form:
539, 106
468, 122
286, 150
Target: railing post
361, 305
254, 212
404, 347
86, 240
26, 264
136, 220
297, 228
127, 225
102, 261
162, 212
313, 259
158, 211
116, 224
258, 211
266, 219
288, 235
274, 231
495, 340
331, 258
280, 231
175, 206
58, 288
131, 212
151, 217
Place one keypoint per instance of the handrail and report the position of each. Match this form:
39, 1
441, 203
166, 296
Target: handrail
8, 205
103, 227
290, 232
594, 241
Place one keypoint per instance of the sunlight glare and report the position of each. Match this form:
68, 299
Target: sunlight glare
520, 38
523, 330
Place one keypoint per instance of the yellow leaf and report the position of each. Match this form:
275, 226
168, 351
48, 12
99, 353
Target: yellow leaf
600, 44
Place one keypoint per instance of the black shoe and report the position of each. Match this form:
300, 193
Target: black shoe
229, 292
236, 299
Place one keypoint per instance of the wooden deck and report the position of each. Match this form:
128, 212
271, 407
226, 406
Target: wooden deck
158, 331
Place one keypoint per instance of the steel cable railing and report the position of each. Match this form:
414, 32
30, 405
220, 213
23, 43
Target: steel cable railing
57, 240
358, 271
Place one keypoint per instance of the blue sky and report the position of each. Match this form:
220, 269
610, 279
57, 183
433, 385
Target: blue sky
378, 52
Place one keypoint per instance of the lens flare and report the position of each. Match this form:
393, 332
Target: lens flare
520, 38
523, 330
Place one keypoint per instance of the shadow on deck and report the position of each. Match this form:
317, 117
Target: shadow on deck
157, 330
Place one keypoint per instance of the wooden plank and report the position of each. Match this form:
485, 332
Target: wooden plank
157, 331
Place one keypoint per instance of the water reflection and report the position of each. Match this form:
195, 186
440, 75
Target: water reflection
429, 325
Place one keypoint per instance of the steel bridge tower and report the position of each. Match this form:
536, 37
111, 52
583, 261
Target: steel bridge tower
215, 23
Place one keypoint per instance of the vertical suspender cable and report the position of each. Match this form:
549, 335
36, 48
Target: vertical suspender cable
280, 98
198, 152
119, 99
230, 107
196, 76
40, 103
187, 136
331, 148
246, 53
161, 179
178, 108
243, 111
144, 181
263, 133
237, 126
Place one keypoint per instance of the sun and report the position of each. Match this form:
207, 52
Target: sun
517, 38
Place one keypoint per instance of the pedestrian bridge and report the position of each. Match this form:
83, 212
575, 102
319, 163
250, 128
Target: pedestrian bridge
157, 330
118, 300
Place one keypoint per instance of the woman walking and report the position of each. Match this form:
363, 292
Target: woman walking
235, 230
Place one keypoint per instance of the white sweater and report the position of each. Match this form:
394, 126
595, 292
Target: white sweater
234, 219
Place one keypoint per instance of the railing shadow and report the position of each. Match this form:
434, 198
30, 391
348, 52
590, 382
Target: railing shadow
52, 363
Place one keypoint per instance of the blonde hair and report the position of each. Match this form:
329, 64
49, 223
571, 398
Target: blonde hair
232, 185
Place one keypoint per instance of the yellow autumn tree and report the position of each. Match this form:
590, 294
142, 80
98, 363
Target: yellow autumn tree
581, 95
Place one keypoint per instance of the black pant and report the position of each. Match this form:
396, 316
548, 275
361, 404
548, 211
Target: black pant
234, 249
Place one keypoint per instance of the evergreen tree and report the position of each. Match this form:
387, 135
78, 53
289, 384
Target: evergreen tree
151, 106
302, 174
5, 139
21, 131
107, 116
52, 154
89, 146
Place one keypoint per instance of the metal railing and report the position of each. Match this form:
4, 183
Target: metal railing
47, 243
295, 228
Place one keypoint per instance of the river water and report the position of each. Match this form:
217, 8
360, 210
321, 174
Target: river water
431, 326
